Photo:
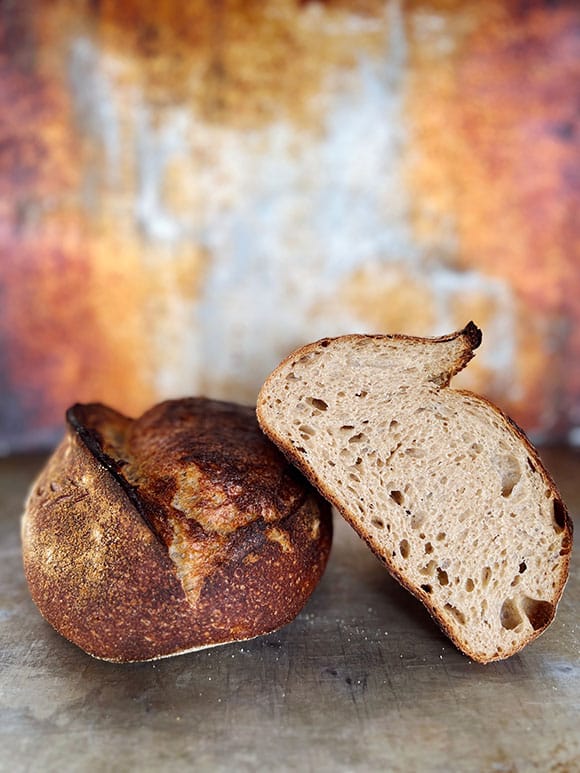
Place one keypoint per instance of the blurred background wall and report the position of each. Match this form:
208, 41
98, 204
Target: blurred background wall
188, 191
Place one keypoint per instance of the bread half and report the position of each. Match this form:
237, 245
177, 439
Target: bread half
180, 530
444, 487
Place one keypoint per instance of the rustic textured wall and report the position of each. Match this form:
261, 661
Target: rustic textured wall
189, 190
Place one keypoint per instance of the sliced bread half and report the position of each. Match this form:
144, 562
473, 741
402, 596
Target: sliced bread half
442, 485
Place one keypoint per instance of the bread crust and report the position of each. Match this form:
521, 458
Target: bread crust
471, 336
101, 522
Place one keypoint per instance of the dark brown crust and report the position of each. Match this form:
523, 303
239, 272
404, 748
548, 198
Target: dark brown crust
95, 544
473, 339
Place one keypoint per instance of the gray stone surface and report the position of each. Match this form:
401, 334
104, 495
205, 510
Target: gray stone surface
362, 680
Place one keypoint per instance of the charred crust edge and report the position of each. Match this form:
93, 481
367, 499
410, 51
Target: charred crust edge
473, 334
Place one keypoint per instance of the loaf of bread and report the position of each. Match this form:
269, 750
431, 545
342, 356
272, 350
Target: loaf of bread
180, 530
443, 486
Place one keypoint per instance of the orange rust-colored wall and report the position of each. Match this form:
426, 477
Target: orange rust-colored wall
188, 191
499, 148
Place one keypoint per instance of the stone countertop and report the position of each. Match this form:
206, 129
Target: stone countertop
362, 680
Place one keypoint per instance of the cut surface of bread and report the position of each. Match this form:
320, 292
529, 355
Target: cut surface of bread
177, 531
444, 488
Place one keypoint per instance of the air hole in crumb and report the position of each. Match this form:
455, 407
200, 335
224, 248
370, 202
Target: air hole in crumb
428, 547
301, 449
417, 521
324, 343
485, 576
378, 522
404, 548
340, 394
469, 585
306, 431
427, 588
397, 496
315, 402
416, 453
457, 614
441, 536
538, 612
393, 425
429, 569
559, 516
347, 426
330, 463
523, 567
510, 615
362, 393
356, 438
531, 465
516, 581
511, 474
442, 577
292, 377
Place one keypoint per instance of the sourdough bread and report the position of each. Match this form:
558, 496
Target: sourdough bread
445, 488
180, 530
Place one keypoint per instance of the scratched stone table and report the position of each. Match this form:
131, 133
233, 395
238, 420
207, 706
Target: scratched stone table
360, 681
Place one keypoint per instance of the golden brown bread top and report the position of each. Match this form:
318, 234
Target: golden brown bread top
179, 530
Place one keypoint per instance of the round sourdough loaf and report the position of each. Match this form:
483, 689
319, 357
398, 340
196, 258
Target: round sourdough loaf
177, 531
